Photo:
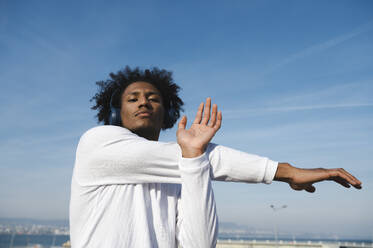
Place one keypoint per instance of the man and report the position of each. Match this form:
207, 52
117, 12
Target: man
129, 190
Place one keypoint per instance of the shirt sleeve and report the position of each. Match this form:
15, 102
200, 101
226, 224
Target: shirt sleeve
115, 155
197, 223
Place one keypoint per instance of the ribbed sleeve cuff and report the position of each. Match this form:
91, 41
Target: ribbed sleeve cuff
187, 164
270, 171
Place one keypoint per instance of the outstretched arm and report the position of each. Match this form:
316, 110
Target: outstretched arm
303, 179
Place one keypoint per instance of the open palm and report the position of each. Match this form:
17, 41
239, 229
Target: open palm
193, 141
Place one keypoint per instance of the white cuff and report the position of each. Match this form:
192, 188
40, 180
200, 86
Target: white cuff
189, 164
270, 171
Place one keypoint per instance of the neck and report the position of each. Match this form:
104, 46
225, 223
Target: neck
147, 134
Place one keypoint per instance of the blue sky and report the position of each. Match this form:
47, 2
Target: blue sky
294, 80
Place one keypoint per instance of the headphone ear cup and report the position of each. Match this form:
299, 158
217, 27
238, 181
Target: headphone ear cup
114, 118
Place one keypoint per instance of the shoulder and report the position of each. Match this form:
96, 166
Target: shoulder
103, 134
105, 131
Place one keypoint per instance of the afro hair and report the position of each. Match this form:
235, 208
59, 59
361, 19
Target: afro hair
119, 81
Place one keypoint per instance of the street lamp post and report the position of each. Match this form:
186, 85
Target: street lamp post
275, 209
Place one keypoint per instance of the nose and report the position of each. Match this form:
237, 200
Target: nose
144, 102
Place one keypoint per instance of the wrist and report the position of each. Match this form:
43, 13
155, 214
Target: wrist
285, 172
188, 152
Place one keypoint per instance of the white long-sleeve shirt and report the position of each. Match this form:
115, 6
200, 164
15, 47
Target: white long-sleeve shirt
131, 192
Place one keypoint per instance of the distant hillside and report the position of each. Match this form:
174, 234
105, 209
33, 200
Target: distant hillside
26, 221
226, 230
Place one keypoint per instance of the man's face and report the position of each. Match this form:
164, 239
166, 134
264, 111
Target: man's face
142, 109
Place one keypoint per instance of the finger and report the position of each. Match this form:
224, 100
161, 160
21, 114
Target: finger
198, 117
345, 174
342, 182
356, 181
310, 189
338, 176
340, 173
206, 112
213, 115
219, 120
182, 123
295, 187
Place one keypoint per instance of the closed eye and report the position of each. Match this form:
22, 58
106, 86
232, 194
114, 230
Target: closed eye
154, 99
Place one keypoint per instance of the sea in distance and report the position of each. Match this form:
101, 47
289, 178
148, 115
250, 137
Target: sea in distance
57, 240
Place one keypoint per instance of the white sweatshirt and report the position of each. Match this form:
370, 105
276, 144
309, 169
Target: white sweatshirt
128, 191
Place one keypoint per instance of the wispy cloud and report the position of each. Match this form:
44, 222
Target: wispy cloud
29, 36
322, 46
315, 134
349, 95
237, 113
351, 92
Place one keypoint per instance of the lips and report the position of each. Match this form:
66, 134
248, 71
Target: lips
144, 114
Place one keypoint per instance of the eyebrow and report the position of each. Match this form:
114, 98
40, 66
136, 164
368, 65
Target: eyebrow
136, 93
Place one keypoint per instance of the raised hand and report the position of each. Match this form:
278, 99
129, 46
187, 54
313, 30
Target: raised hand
303, 179
193, 142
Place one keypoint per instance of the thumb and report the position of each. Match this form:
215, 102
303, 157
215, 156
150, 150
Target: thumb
310, 189
182, 123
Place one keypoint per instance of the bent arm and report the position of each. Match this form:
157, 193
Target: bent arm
197, 223
114, 155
